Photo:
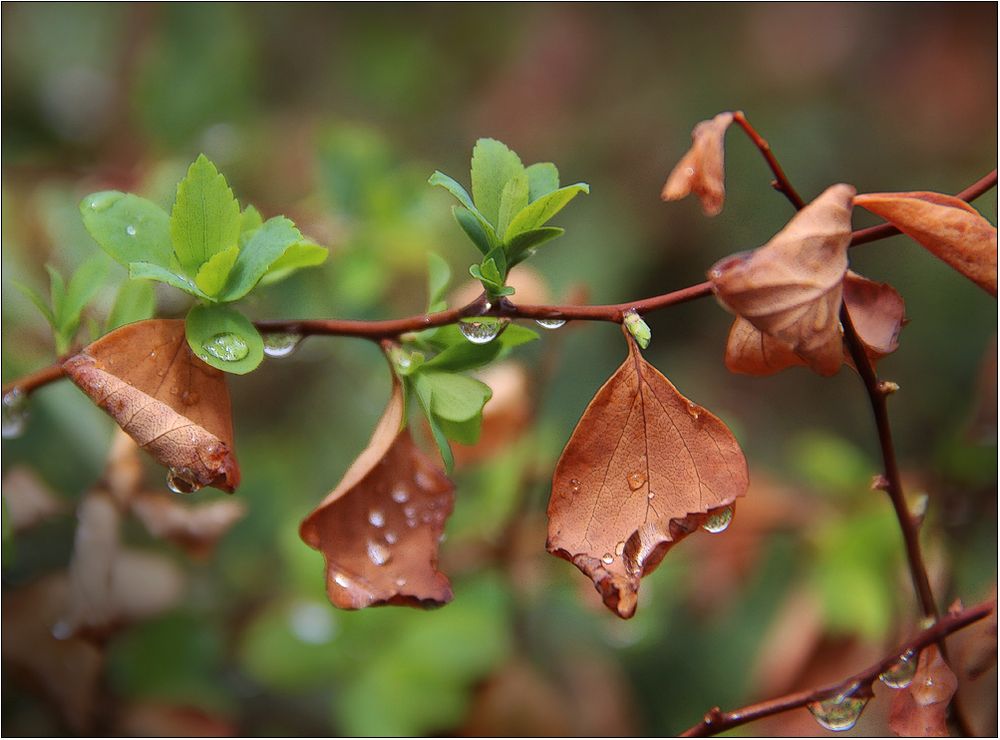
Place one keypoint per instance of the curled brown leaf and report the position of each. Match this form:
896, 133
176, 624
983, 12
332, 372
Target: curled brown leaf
380, 527
946, 226
196, 528
644, 468
171, 403
791, 288
701, 170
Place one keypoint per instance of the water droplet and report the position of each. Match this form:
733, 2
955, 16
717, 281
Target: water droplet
391, 537
550, 323
182, 480
636, 480
130, 230
378, 553
689, 171
443, 537
15, 413
341, 580
226, 347
900, 674
376, 518
620, 548
190, 398
650, 495
281, 345
62, 630
840, 712
311, 623
482, 331
400, 582
718, 520
424, 480
694, 410
608, 558
410, 511
400, 495
104, 201
574, 485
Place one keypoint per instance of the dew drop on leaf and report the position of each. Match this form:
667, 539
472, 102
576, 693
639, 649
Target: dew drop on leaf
636, 480
650, 495
840, 712
226, 347
376, 518
391, 537
575, 486
400, 495
182, 480
718, 520
15, 413
130, 230
608, 558
378, 553
104, 201
620, 548
482, 331
281, 345
900, 674
550, 323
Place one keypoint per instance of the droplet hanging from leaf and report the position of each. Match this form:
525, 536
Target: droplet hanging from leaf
900, 674
482, 331
281, 344
550, 323
15, 413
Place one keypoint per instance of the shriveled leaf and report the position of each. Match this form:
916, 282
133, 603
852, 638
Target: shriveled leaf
791, 288
644, 468
91, 607
493, 165
127, 227
196, 528
171, 403
379, 528
701, 170
921, 709
224, 338
28, 500
752, 352
543, 178
949, 228
205, 219
877, 312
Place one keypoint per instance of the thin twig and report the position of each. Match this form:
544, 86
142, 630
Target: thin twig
717, 721
781, 183
35, 380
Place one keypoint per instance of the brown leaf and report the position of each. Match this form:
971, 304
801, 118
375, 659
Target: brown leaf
752, 352
791, 288
701, 169
379, 528
645, 467
29, 500
949, 228
171, 403
921, 710
196, 528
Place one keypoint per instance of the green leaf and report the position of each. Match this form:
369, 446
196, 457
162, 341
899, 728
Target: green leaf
537, 213
473, 228
265, 246
464, 432
438, 277
543, 178
136, 300
38, 299
224, 338
212, 275
148, 271
423, 394
459, 353
452, 186
523, 245
250, 221
83, 286
127, 227
453, 397
206, 217
57, 293
513, 200
493, 165
299, 255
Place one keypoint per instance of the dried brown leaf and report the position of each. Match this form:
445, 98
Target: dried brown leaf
123, 473
791, 288
29, 500
197, 528
380, 527
171, 403
949, 228
701, 170
921, 710
645, 467
752, 352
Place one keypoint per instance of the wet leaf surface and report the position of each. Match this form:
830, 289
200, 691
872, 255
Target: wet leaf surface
171, 403
380, 527
644, 467
921, 710
702, 168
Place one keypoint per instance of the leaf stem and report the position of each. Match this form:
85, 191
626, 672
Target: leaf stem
717, 721
781, 183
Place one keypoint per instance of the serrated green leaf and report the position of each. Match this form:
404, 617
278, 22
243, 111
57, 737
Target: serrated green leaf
473, 228
299, 255
205, 219
513, 200
224, 338
458, 353
250, 221
454, 397
148, 271
264, 248
493, 165
543, 178
38, 299
127, 227
214, 273
537, 213
438, 277
523, 245
136, 300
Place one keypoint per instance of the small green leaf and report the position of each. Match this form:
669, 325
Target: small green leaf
127, 227
264, 248
206, 217
423, 394
250, 221
524, 244
438, 277
136, 300
452, 186
299, 255
453, 397
464, 432
213, 273
493, 165
57, 292
224, 338
459, 354
83, 286
638, 328
513, 200
473, 228
537, 213
38, 299
148, 271
543, 178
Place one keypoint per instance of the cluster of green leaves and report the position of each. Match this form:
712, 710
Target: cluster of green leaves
505, 217
208, 248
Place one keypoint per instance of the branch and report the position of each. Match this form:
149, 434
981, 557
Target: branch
717, 721
781, 182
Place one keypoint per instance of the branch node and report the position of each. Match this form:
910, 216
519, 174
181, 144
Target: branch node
887, 387
880, 483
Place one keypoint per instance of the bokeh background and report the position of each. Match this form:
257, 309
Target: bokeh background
336, 115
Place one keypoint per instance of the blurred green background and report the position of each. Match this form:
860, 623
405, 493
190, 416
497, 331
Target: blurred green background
336, 115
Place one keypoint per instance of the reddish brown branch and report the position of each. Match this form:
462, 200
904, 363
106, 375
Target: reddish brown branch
781, 182
35, 380
717, 721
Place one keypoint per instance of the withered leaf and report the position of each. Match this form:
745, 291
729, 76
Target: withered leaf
752, 352
791, 287
380, 527
644, 467
171, 403
921, 709
701, 169
949, 228
196, 528
28, 499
